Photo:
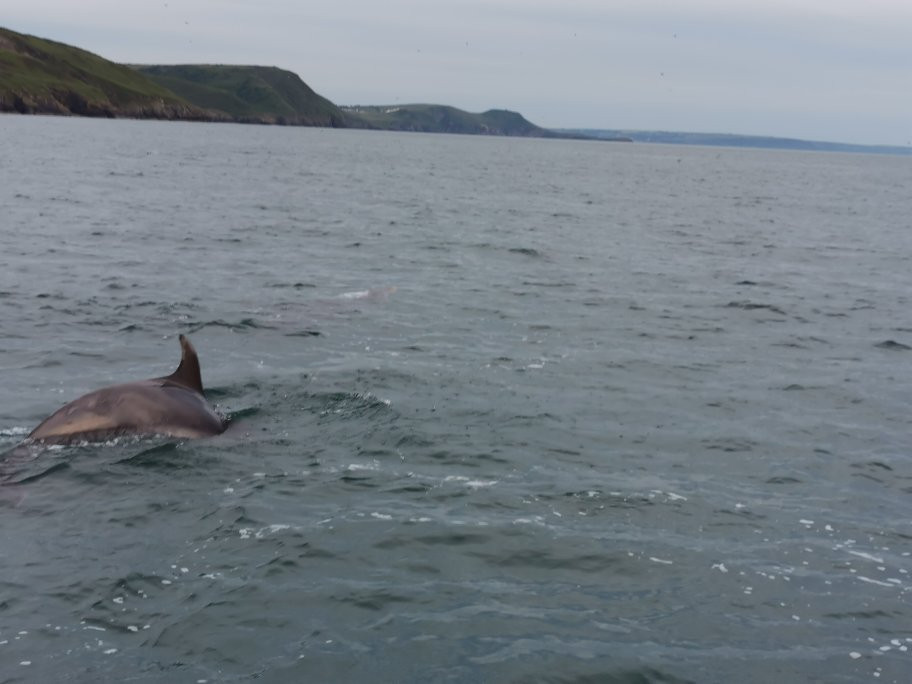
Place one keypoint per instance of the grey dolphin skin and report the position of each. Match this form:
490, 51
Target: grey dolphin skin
172, 406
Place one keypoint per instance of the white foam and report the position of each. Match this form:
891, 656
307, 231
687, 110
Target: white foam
866, 556
470, 483
670, 495
661, 560
874, 581
249, 532
15, 432
373, 466
534, 520
357, 294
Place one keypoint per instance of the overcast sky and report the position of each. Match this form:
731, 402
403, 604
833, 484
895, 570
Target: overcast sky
817, 69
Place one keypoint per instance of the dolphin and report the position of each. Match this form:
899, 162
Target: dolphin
171, 406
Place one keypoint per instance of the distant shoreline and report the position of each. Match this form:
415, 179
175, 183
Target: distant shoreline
742, 141
41, 76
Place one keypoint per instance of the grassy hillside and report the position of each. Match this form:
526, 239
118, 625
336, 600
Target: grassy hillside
45, 77
247, 93
42, 76
441, 119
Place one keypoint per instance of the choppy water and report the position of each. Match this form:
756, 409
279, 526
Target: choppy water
504, 410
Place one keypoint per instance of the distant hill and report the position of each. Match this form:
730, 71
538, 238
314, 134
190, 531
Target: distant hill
248, 94
43, 77
429, 118
732, 140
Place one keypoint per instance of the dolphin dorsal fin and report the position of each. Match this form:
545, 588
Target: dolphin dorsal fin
188, 371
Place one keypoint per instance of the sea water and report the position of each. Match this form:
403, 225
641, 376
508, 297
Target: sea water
503, 410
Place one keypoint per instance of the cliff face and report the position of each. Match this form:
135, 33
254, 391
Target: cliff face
249, 94
70, 102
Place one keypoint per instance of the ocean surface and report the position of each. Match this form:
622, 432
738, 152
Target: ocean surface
503, 410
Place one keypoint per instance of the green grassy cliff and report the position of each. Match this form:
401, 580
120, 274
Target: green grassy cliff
39, 76
44, 77
251, 94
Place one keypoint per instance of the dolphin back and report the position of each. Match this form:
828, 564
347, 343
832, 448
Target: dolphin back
148, 407
172, 406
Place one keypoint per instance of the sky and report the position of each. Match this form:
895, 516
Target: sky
836, 70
